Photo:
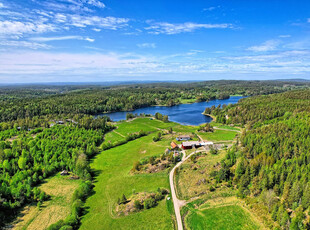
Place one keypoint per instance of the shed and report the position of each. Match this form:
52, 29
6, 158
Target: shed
174, 145
64, 173
183, 138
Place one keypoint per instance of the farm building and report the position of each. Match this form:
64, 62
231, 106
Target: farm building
183, 138
191, 144
174, 145
206, 143
64, 173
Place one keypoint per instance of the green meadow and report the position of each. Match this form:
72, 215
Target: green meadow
231, 217
218, 135
114, 179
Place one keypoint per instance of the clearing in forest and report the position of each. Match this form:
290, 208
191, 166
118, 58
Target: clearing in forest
60, 189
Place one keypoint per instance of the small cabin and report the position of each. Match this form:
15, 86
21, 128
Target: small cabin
64, 173
183, 138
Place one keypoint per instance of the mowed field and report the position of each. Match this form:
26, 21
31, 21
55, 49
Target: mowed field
114, 179
60, 189
219, 135
230, 217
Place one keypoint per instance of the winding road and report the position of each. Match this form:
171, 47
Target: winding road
176, 202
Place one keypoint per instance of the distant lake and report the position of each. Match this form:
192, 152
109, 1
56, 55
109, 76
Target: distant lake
185, 114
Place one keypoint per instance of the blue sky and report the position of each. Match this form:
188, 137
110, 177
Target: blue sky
117, 40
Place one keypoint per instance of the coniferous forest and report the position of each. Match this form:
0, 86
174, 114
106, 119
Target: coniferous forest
270, 163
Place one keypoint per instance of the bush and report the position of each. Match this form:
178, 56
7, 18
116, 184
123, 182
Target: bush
149, 203
138, 205
158, 196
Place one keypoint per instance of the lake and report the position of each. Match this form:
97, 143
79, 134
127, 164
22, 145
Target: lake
185, 114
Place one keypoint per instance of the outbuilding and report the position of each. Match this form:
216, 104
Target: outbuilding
183, 138
64, 173
174, 145
191, 144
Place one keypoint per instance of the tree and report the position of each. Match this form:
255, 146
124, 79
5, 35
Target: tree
6, 165
136, 166
170, 130
165, 119
138, 205
22, 162
305, 201
124, 199
149, 203
269, 198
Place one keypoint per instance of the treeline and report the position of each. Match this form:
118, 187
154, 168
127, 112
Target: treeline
94, 100
271, 161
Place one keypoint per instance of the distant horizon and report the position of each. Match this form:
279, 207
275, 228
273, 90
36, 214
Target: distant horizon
91, 83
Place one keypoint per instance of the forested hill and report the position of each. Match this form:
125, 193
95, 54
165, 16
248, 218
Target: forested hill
271, 163
265, 108
27, 102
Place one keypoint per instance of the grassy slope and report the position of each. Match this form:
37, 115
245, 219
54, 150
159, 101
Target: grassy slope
114, 180
190, 173
218, 135
231, 217
57, 208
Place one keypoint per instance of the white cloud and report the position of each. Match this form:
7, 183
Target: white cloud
96, 3
285, 36
2, 5
72, 65
102, 22
147, 45
96, 29
24, 44
176, 28
61, 38
266, 46
89, 39
20, 28
211, 8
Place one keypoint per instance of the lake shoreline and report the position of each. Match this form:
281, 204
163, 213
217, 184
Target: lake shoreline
185, 114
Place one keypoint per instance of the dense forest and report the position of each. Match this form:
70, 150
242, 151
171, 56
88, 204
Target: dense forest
39, 101
271, 160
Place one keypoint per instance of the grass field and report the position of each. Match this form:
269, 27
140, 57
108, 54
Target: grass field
188, 101
230, 217
57, 208
193, 178
219, 125
114, 179
218, 135
146, 124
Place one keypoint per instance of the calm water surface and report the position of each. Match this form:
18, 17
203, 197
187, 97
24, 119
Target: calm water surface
185, 114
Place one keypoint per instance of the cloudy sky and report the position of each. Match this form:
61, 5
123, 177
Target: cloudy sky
117, 40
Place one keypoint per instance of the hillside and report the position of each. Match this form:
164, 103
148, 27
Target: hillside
270, 163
